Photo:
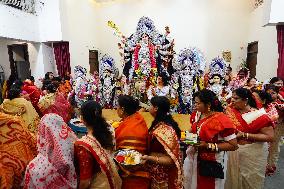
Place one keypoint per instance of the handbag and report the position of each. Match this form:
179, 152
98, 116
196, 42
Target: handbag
211, 169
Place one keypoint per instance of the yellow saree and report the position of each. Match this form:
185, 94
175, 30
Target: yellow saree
23, 108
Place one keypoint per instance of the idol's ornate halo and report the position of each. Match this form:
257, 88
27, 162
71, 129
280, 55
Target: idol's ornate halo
217, 66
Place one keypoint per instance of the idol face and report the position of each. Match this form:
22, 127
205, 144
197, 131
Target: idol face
145, 38
216, 79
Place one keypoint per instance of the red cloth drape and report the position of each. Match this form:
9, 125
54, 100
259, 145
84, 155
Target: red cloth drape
62, 58
280, 41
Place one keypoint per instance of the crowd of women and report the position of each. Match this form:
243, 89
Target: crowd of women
238, 144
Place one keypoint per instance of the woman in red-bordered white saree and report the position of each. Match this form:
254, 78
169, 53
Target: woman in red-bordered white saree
246, 166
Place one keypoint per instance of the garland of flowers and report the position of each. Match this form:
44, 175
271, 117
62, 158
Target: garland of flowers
152, 58
136, 52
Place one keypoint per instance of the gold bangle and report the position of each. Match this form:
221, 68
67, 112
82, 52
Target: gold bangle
217, 149
209, 146
213, 147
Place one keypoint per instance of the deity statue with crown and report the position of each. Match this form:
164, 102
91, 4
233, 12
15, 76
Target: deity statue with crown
93, 89
80, 85
107, 74
190, 64
146, 53
217, 73
174, 96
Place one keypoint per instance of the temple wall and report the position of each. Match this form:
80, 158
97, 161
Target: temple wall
267, 57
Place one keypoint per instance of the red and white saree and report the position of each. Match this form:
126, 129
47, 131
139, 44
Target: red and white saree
53, 167
96, 163
246, 166
213, 129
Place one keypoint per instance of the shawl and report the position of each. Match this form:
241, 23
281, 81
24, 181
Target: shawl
57, 104
53, 167
250, 122
23, 108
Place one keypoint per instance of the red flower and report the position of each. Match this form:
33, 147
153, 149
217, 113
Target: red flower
120, 159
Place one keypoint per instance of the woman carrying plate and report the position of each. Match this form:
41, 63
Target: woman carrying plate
163, 161
93, 152
216, 133
132, 134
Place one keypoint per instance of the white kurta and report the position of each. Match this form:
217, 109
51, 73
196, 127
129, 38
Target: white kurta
164, 91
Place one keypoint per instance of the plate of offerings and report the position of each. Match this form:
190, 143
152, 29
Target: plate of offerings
189, 138
127, 157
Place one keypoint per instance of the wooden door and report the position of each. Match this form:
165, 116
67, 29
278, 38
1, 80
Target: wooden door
93, 61
19, 60
252, 58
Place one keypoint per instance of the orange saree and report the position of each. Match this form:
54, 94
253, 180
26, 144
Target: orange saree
17, 149
132, 133
65, 88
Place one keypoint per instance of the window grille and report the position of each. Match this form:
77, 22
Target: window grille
257, 3
24, 5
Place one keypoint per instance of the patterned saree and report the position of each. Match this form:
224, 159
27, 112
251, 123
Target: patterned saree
17, 149
163, 139
96, 163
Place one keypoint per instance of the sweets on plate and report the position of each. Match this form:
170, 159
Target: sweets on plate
189, 138
128, 157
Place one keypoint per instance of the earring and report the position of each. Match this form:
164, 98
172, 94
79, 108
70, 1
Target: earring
209, 109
